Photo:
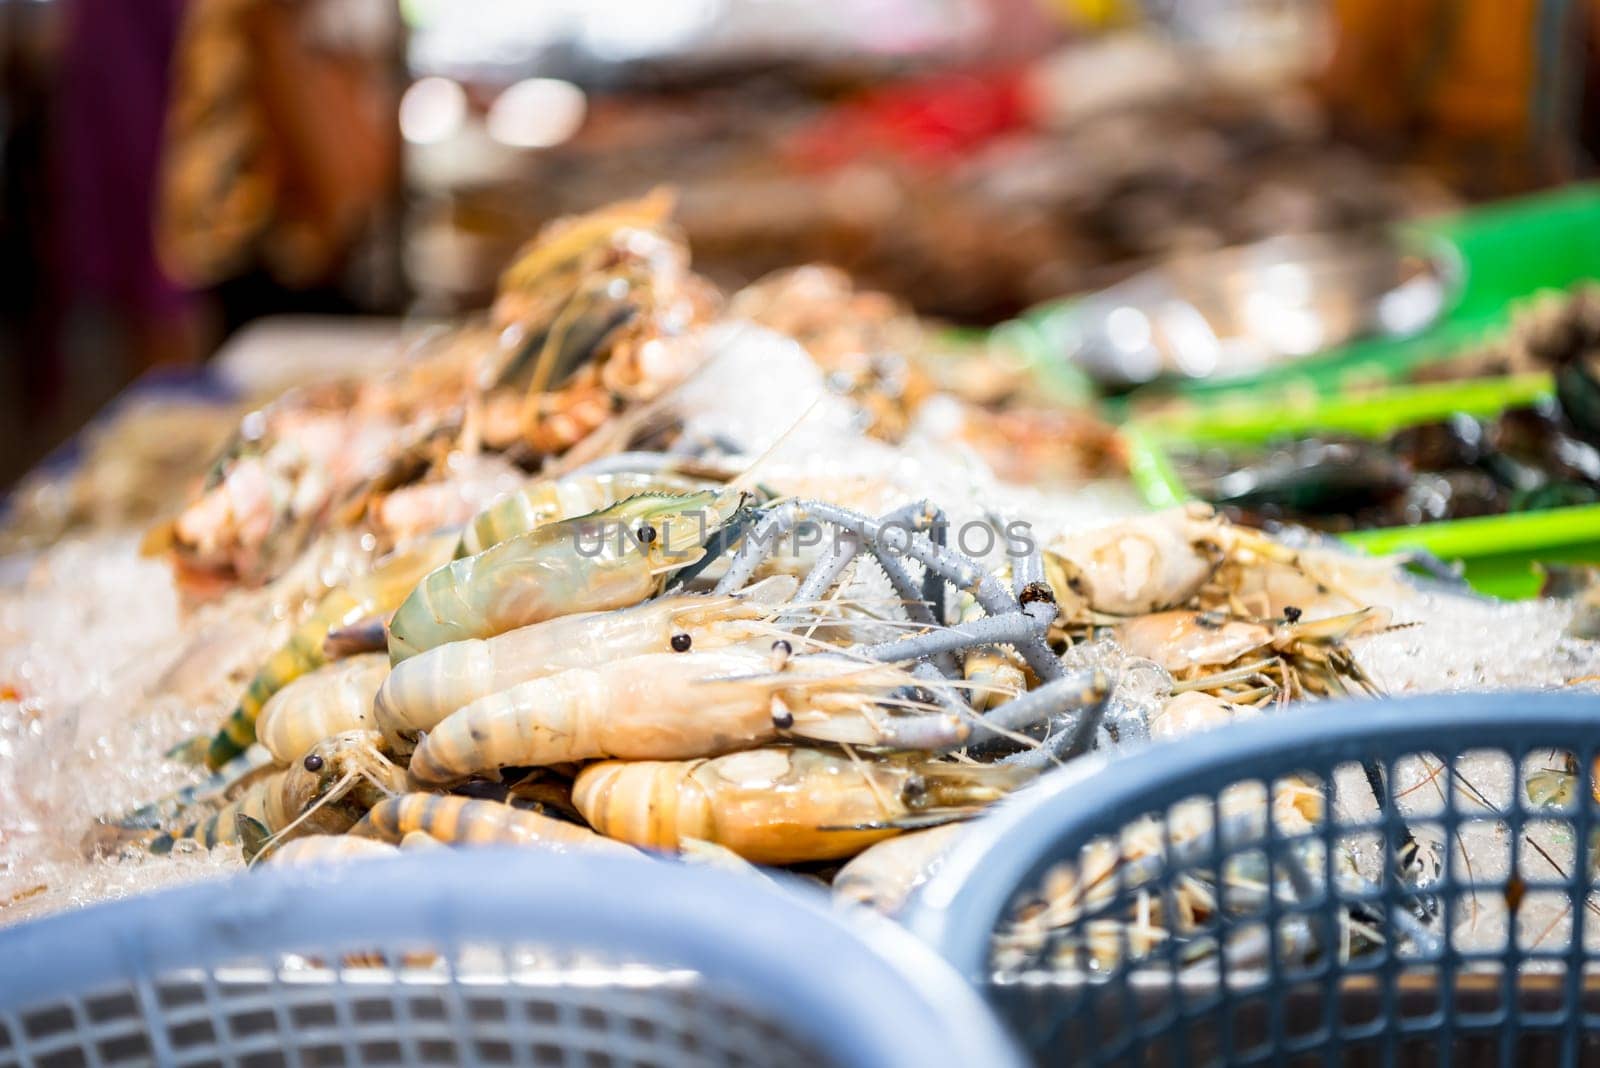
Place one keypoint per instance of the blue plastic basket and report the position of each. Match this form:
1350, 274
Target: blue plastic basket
483, 957
1076, 908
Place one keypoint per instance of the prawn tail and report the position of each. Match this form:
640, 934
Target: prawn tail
190, 750
161, 812
254, 837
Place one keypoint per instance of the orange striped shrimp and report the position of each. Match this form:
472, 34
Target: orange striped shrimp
326, 793
423, 690
467, 821
670, 706
780, 805
331, 700
317, 850
1311, 655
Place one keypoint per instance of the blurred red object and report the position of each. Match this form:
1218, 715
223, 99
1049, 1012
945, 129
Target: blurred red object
930, 121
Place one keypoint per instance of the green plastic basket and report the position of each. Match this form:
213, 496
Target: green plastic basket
1499, 552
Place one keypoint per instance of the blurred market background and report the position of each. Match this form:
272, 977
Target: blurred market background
174, 170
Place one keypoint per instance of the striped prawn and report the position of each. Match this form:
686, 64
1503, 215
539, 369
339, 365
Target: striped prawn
608, 559
779, 805
669, 706
468, 821
331, 700
324, 793
549, 500
373, 594
421, 691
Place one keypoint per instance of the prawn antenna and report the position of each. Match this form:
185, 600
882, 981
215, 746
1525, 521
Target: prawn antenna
745, 482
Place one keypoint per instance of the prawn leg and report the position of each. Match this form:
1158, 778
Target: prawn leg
1009, 629
844, 550
1082, 694
887, 543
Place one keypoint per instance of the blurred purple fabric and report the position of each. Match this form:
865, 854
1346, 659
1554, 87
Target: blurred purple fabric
115, 69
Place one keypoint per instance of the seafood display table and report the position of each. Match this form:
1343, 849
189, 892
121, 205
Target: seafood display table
622, 576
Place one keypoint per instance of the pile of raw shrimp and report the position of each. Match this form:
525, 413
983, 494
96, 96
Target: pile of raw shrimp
615, 570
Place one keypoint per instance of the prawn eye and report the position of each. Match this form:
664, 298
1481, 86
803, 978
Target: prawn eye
783, 719
915, 788
314, 762
1291, 614
1036, 591
646, 534
782, 647
681, 643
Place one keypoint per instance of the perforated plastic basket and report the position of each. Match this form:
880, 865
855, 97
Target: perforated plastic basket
484, 957
1091, 912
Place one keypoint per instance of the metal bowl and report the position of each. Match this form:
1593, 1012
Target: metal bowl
1241, 310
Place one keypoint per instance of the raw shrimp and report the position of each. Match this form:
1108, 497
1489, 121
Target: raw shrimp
548, 500
423, 690
326, 793
331, 700
232, 777
883, 876
670, 706
1193, 710
371, 594
780, 805
602, 308
271, 490
317, 850
608, 559
1150, 563
542, 274
1311, 655
465, 821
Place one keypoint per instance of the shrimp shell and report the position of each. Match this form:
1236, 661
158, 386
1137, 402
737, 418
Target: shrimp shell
590, 563
423, 690
327, 797
549, 500
773, 805
466, 821
883, 876
1132, 567
335, 698
321, 849
1192, 711
671, 706
1180, 641
373, 594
